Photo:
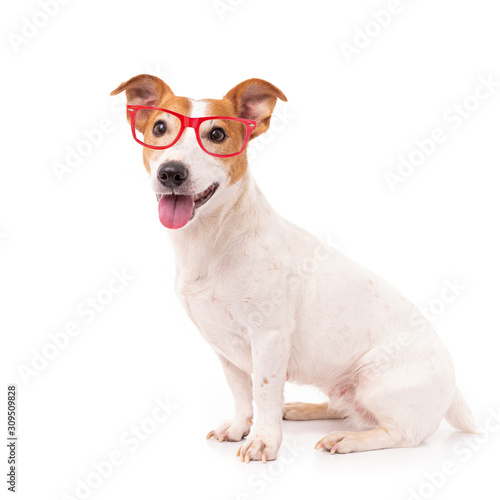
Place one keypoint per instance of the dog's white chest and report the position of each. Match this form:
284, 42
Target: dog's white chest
213, 311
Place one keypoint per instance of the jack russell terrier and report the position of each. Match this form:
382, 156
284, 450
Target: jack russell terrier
274, 302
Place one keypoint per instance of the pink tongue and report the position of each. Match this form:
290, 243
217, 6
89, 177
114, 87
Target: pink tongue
175, 210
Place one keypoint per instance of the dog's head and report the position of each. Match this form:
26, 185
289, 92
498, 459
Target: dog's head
198, 166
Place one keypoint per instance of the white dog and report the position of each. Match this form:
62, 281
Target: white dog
273, 301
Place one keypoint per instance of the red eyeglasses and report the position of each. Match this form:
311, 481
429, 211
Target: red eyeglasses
158, 128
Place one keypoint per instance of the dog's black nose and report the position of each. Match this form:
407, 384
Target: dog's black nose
172, 173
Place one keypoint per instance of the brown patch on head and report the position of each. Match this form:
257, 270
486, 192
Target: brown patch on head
255, 99
143, 90
171, 102
237, 165
252, 99
265, 381
148, 90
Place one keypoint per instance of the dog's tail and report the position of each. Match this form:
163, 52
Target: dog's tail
459, 414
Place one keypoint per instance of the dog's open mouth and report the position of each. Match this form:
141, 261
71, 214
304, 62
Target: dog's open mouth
176, 210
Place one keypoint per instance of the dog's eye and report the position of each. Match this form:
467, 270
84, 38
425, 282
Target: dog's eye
159, 128
217, 135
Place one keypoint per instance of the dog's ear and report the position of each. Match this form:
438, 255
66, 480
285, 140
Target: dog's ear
143, 90
255, 99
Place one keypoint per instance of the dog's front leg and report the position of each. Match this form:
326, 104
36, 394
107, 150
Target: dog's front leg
240, 384
270, 355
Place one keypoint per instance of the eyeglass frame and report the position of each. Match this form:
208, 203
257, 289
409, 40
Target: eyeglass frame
190, 122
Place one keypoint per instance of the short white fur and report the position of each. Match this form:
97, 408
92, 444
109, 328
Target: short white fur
276, 303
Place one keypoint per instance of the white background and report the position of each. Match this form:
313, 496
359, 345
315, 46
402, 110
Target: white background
345, 125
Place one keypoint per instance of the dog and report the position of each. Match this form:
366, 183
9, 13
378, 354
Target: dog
274, 302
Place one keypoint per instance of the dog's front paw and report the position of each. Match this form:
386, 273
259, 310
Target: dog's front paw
259, 446
231, 430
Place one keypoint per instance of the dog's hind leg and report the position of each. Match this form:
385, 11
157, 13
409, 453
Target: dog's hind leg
406, 396
347, 442
310, 411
